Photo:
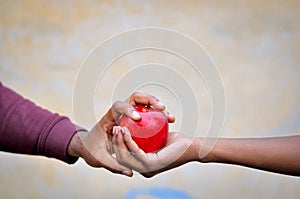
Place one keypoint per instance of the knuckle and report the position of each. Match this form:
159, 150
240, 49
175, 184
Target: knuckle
135, 94
117, 103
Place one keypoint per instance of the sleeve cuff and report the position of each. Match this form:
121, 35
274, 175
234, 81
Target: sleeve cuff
59, 138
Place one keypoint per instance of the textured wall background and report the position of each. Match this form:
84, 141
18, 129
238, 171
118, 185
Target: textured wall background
255, 44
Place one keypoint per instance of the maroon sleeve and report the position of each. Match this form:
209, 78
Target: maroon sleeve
28, 129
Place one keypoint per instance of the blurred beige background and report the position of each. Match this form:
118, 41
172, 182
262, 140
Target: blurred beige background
255, 45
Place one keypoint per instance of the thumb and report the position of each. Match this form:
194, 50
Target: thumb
122, 108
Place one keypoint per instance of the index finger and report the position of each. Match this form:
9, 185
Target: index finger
149, 100
145, 99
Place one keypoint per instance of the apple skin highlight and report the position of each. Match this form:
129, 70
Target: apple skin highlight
151, 132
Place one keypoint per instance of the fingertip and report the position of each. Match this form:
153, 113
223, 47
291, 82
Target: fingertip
115, 129
127, 173
171, 118
126, 132
160, 104
135, 115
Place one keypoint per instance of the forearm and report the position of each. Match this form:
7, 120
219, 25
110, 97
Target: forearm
28, 129
280, 154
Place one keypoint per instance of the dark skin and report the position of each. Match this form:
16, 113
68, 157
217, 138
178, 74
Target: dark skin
275, 154
95, 146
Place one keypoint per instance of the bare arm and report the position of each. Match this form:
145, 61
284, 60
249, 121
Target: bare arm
277, 154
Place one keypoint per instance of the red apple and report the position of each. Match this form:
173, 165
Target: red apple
151, 132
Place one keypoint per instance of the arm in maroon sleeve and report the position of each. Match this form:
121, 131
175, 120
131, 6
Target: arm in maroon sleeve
28, 129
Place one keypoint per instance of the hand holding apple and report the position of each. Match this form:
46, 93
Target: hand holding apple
179, 150
151, 131
95, 146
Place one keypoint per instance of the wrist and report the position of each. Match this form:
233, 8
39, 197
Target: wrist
203, 151
75, 146
196, 147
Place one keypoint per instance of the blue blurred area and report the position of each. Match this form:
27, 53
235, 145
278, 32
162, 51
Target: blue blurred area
158, 192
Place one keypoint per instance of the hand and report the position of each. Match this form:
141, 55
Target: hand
179, 150
142, 99
255, 153
95, 147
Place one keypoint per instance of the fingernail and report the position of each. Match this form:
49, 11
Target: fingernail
127, 173
136, 115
